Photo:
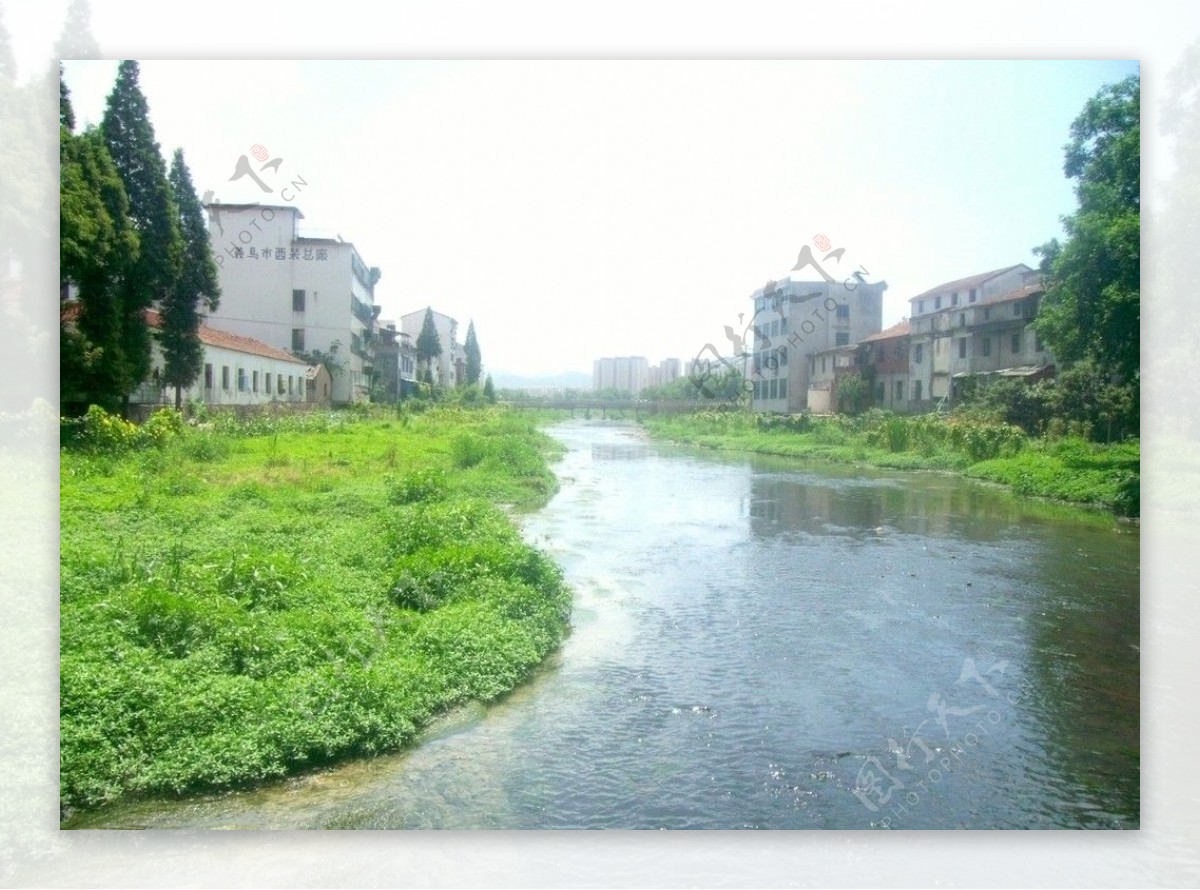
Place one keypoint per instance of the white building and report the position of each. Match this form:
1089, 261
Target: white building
295, 291
237, 370
450, 368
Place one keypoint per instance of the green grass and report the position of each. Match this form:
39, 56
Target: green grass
1066, 469
239, 603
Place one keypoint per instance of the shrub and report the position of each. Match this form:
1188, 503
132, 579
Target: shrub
429, 484
164, 425
467, 449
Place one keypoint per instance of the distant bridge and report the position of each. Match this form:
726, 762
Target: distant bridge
626, 406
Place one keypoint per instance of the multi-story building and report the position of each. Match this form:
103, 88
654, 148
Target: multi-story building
310, 295
449, 368
395, 362
794, 320
884, 358
622, 373
972, 326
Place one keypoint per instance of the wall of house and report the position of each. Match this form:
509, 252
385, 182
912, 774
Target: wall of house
236, 378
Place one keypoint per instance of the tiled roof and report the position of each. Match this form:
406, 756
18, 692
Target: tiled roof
965, 283
234, 342
903, 329
1020, 293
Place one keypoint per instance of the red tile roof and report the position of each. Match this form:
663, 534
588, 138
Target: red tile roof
234, 342
903, 329
965, 283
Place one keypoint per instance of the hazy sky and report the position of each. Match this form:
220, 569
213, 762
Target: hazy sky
588, 208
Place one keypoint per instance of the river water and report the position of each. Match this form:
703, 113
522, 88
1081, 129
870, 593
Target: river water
763, 644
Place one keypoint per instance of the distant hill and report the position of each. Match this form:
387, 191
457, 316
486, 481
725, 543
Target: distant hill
566, 380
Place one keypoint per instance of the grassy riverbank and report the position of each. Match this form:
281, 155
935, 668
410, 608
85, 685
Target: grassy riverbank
1068, 469
245, 601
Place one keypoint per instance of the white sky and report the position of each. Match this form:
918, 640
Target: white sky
586, 208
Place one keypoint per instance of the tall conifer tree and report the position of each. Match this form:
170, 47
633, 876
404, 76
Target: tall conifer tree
183, 354
129, 136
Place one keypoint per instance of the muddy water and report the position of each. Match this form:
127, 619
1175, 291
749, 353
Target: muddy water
762, 644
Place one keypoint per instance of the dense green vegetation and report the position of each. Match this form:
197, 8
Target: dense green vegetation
1064, 467
243, 600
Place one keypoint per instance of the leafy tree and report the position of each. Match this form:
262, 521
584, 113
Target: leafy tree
471, 348
854, 393
489, 389
129, 136
1092, 304
183, 354
429, 344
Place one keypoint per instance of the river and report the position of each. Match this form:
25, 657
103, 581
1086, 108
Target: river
763, 644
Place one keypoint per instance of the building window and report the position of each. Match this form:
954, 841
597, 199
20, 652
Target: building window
1016, 308
918, 353
987, 345
841, 338
775, 328
756, 389
225, 377
772, 389
783, 325
899, 390
1016, 343
962, 347
783, 387
954, 299
255, 387
290, 384
268, 382
208, 376
843, 311
937, 302
297, 301
297, 339
916, 390
879, 393
241, 379
962, 319
987, 313
783, 356
822, 364
973, 296
920, 306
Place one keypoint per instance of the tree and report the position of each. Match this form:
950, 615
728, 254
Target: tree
854, 393
98, 248
1092, 304
76, 40
8, 63
129, 136
183, 354
429, 344
471, 348
489, 389
66, 114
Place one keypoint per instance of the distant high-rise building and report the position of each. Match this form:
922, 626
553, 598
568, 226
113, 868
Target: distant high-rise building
623, 373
